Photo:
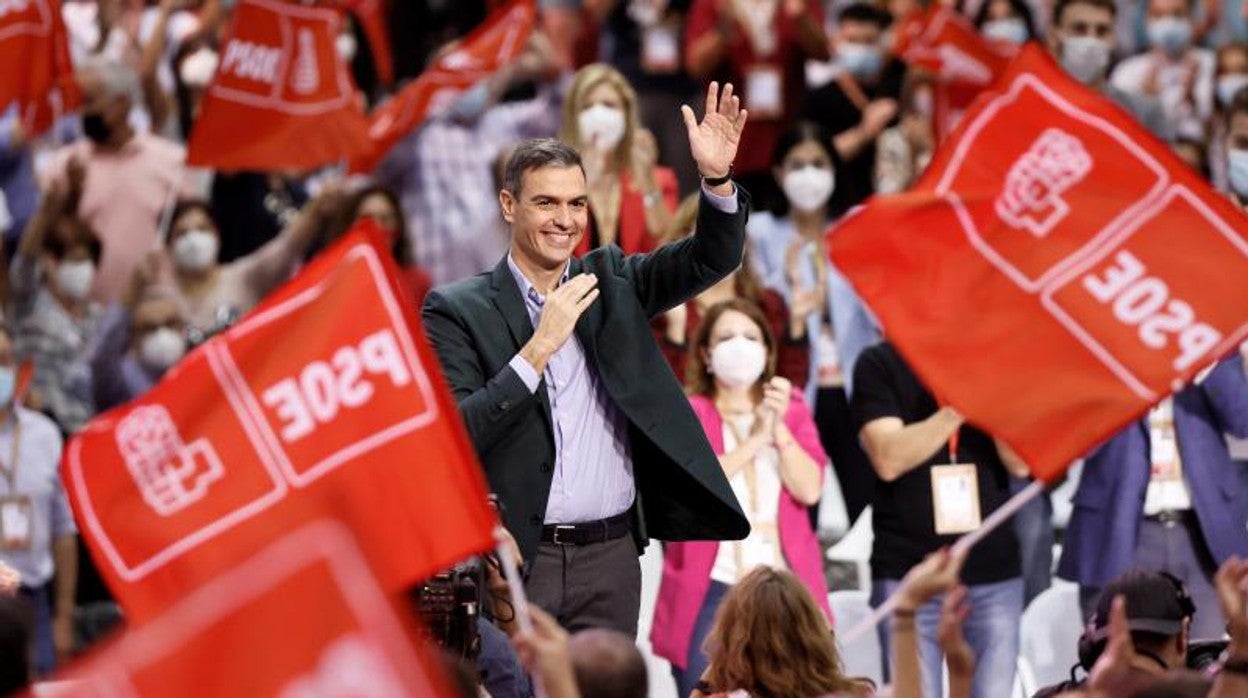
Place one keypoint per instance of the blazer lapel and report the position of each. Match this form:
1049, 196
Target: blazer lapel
590, 319
506, 298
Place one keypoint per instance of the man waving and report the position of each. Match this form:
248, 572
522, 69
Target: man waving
582, 429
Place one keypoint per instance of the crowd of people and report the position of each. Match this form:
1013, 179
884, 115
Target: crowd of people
633, 304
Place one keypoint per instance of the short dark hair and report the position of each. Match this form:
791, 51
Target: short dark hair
69, 232
1061, 5
865, 12
607, 664
185, 206
536, 153
1020, 8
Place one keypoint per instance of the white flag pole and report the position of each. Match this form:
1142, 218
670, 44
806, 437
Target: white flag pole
965, 543
519, 602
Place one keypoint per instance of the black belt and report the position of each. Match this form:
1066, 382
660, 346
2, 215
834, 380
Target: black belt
588, 532
1170, 517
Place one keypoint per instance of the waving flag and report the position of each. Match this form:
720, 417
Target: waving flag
303, 617
324, 401
944, 43
282, 98
489, 47
1055, 271
38, 74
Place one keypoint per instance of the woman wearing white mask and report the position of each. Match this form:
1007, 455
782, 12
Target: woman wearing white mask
789, 254
138, 347
631, 197
56, 320
905, 149
1175, 70
1007, 21
1237, 149
214, 294
1231, 76
769, 449
194, 64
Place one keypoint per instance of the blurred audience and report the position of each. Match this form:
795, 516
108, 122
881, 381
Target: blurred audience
675, 327
631, 198
130, 177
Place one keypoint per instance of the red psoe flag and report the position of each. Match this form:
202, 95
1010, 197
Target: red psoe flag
303, 617
282, 98
962, 62
371, 14
1055, 271
486, 49
326, 400
38, 74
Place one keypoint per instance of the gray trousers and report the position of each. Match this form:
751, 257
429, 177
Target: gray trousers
588, 586
1178, 548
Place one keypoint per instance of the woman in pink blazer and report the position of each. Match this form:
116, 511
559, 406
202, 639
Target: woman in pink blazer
769, 448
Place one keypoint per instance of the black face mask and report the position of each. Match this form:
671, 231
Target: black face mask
95, 128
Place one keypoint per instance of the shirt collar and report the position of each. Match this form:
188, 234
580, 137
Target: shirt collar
527, 290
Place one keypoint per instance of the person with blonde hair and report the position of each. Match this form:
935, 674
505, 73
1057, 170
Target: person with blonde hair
771, 640
631, 198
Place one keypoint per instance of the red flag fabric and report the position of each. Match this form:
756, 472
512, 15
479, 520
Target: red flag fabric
325, 400
282, 98
38, 73
1056, 269
486, 49
371, 14
304, 617
943, 42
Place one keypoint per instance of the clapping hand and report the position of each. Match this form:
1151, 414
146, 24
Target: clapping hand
713, 142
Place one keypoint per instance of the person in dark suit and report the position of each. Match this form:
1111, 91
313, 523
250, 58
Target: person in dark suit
583, 431
1164, 494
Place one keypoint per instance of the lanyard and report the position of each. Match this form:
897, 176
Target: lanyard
953, 446
10, 468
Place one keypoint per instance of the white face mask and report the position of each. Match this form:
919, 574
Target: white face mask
196, 250
1170, 34
1010, 30
75, 279
1237, 171
198, 68
1228, 85
1085, 58
162, 349
809, 187
738, 362
601, 126
346, 46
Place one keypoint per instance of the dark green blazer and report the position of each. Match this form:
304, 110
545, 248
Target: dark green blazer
478, 324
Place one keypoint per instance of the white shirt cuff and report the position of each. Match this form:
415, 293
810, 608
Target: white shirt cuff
528, 375
723, 204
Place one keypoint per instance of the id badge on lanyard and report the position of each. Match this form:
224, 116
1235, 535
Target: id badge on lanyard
764, 91
955, 494
15, 523
15, 508
660, 49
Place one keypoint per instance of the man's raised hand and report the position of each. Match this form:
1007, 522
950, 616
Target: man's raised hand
713, 142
